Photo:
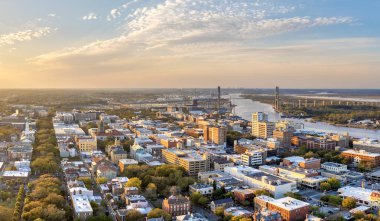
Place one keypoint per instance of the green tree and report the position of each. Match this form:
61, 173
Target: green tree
194, 197
203, 201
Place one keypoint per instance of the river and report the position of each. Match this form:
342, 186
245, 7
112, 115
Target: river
245, 108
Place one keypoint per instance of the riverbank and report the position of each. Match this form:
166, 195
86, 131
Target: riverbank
337, 115
245, 108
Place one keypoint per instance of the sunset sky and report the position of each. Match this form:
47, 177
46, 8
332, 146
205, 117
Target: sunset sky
189, 43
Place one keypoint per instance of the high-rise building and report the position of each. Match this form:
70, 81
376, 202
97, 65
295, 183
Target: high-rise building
261, 127
215, 134
256, 118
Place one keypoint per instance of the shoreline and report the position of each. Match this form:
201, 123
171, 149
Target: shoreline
313, 120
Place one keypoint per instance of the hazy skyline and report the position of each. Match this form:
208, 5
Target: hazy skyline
187, 43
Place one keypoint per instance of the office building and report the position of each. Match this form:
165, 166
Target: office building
284, 136
254, 157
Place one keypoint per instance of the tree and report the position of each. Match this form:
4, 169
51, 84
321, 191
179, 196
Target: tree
185, 182
87, 181
325, 186
151, 191
99, 218
336, 200
309, 154
101, 180
197, 198
134, 182
348, 203
6, 213
334, 183
203, 201
157, 213
55, 199
219, 211
134, 215
262, 192
294, 195
194, 197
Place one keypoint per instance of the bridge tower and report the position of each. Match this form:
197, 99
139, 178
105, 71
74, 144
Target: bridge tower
277, 99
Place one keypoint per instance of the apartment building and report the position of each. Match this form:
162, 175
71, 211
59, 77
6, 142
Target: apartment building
86, 143
190, 160
362, 155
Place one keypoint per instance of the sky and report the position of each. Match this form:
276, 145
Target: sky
189, 43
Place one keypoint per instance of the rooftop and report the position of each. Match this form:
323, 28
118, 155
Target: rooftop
286, 203
362, 153
81, 204
15, 174
356, 193
332, 164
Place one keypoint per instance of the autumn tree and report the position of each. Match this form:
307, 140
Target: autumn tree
157, 213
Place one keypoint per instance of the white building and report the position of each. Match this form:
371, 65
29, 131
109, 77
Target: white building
204, 189
82, 207
364, 197
138, 203
334, 167
257, 179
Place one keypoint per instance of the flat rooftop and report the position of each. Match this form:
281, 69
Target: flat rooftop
332, 164
274, 180
355, 192
362, 153
286, 203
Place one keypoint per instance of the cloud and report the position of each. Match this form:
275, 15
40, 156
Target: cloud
25, 35
117, 12
90, 16
52, 15
188, 28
